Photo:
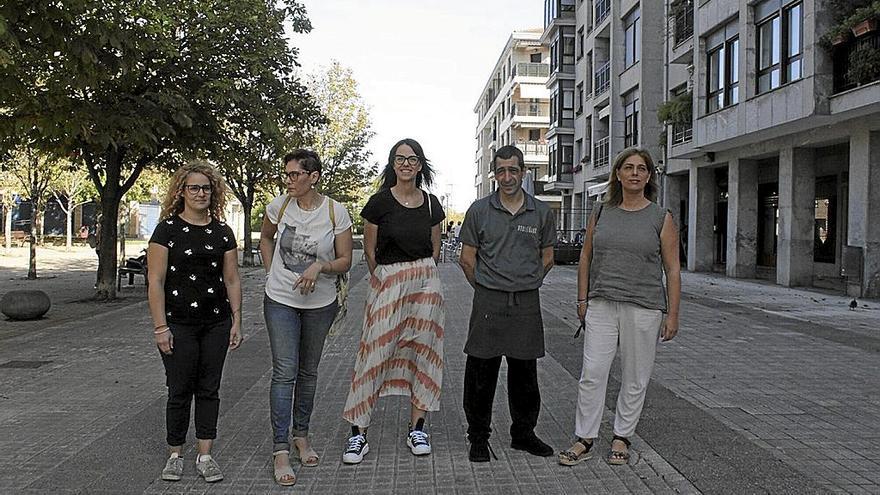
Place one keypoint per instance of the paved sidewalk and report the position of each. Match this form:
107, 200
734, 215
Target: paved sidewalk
743, 401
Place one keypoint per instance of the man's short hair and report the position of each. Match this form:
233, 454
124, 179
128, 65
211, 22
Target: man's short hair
506, 153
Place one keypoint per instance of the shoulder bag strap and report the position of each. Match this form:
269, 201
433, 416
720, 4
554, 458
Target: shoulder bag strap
283, 207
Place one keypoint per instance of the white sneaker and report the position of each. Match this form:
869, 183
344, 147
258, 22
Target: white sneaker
417, 441
356, 450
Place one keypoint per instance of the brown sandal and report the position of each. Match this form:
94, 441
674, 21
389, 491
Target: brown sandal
307, 457
618, 457
284, 475
569, 458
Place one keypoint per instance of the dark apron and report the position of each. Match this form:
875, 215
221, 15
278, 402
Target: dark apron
505, 324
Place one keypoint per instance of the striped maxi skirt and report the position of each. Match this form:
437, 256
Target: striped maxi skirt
401, 348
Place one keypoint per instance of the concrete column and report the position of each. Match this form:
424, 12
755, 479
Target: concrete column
742, 218
864, 208
701, 218
797, 212
674, 190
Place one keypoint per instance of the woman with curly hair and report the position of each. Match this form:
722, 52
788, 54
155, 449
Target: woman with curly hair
195, 303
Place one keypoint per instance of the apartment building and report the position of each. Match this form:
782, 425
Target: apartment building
776, 171
605, 85
514, 108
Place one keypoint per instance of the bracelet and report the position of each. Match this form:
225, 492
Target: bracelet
160, 333
164, 325
579, 303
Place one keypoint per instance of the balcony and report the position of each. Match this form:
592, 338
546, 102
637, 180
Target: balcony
532, 109
603, 8
602, 152
682, 12
531, 69
558, 9
533, 151
857, 62
682, 133
603, 79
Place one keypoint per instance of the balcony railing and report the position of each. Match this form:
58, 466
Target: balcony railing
532, 110
532, 147
853, 62
603, 79
682, 133
601, 152
531, 69
683, 18
603, 8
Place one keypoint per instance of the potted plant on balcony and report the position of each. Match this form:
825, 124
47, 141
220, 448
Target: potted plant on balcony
851, 18
677, 110
864, 65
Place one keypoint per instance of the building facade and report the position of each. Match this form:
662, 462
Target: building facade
776, 171
514, 108
605, 86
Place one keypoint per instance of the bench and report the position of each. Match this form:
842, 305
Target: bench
132, 267
20, 238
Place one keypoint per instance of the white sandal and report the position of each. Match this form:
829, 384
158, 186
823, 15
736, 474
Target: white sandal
284, 475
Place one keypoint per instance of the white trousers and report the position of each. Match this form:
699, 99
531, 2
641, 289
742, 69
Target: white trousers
635, 330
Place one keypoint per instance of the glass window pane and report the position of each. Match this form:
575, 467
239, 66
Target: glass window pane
637, 40
774, 78
794, 30
794, 70
777, 45
765, 45
734, 95
714, 71
734, 61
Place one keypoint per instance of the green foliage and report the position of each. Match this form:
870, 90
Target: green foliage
120, 84
864, 65
678, 110
848, 14
342, 139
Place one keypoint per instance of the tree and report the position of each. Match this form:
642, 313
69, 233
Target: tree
34, 171
342, 140
71, 188
122, 85
8, 190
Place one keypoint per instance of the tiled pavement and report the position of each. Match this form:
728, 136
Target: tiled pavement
743, 401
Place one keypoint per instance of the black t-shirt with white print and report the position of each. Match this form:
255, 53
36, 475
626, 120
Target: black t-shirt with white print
194, 288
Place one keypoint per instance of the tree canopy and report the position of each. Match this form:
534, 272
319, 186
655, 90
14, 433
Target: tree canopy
118, 85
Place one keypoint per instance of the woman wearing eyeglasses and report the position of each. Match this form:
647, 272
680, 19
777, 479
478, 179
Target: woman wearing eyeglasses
195, 303
401, 347
305, 242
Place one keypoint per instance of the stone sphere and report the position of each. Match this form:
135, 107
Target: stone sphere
25, 304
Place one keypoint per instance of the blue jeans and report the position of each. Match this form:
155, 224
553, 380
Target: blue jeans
296, 337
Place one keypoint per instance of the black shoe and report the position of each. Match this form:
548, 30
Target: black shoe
479, 451
533, 445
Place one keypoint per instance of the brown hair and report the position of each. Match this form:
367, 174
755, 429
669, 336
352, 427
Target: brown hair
173, 202
614, 192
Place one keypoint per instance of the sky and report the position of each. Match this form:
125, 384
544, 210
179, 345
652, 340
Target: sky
421, 67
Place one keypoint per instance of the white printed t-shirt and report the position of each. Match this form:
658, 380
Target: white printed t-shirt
303, 237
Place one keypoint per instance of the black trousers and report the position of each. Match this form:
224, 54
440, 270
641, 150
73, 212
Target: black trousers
194, 369
524, 398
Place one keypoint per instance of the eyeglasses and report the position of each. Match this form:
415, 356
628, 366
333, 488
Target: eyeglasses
412, 160
294, 174
195, 188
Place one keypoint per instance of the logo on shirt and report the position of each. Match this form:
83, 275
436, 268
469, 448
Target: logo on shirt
528, 229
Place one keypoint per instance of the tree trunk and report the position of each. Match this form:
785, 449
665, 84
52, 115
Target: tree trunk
106, 244
247, 253
69, 213
32, 257
8, 228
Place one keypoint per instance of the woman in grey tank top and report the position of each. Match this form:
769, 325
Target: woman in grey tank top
624, 301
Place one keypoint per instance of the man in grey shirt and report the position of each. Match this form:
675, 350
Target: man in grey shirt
507, 249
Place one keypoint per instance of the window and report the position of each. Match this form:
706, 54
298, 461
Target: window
580, 99
779, 43
534, 134
631, 119
722, 60
580, 43
632, 38
567, 51
535, 58
568, 104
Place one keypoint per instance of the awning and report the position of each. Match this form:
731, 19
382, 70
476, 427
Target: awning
597, 189
534, 91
